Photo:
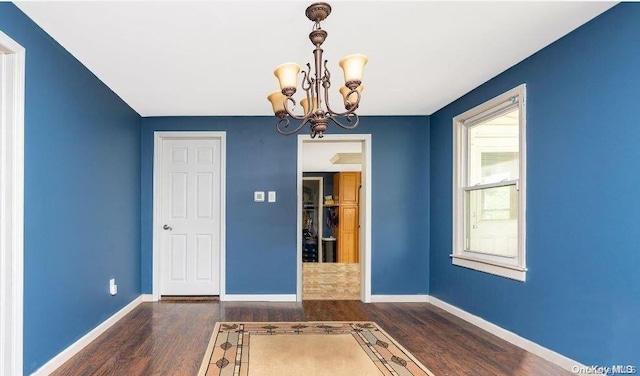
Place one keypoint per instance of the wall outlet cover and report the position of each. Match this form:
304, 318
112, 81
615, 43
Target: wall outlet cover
258, 196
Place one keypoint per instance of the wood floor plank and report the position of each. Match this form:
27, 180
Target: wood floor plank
170, 338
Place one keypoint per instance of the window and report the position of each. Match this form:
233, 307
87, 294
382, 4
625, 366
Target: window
489, 186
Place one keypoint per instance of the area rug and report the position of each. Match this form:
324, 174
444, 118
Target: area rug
306, 349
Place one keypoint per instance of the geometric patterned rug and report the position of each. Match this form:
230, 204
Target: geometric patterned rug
306, 348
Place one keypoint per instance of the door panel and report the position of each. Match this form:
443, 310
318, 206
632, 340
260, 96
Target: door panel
178, 196
190, 217
348, 250
204, 195
177, 262
349, 214
349, 187
204, 250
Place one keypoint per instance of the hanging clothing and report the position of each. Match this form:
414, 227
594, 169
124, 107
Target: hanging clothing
331, 217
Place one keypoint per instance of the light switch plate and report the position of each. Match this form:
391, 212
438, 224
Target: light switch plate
272, 196
258, 196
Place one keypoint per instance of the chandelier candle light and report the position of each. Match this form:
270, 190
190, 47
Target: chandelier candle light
319, 112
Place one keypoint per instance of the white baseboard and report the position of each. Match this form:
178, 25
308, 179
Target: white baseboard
147, 298
259, 298
532, 347
399, 298
72, 350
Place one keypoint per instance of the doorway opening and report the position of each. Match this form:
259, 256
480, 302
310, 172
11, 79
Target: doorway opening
334, 249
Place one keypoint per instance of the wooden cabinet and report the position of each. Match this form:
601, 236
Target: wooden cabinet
346, 190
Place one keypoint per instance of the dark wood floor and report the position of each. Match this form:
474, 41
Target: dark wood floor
169, 338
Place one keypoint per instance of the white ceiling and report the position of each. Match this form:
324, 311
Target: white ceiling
168, 58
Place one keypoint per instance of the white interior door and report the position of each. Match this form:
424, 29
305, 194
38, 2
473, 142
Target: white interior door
190, 217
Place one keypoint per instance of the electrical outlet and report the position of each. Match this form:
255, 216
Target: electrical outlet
258, 196
272, 196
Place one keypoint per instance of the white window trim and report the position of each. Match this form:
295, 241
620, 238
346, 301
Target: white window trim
513, 268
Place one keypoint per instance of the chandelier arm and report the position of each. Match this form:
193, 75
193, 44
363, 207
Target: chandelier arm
304, 118
307, 82
326, 85
326, 82
348, 117
350, 110
283, 124
327, 76
309, 92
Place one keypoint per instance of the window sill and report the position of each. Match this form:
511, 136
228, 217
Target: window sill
507, 271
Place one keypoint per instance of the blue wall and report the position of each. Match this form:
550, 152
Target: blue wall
82, 196
582, 294
261, 237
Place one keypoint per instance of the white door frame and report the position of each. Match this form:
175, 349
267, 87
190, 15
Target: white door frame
157, 209
11, 205
365, 210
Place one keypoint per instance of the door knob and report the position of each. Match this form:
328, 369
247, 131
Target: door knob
167, 227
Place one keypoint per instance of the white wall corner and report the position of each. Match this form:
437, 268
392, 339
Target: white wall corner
541, 351
80, 344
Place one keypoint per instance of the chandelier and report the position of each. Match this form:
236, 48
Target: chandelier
316, 111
